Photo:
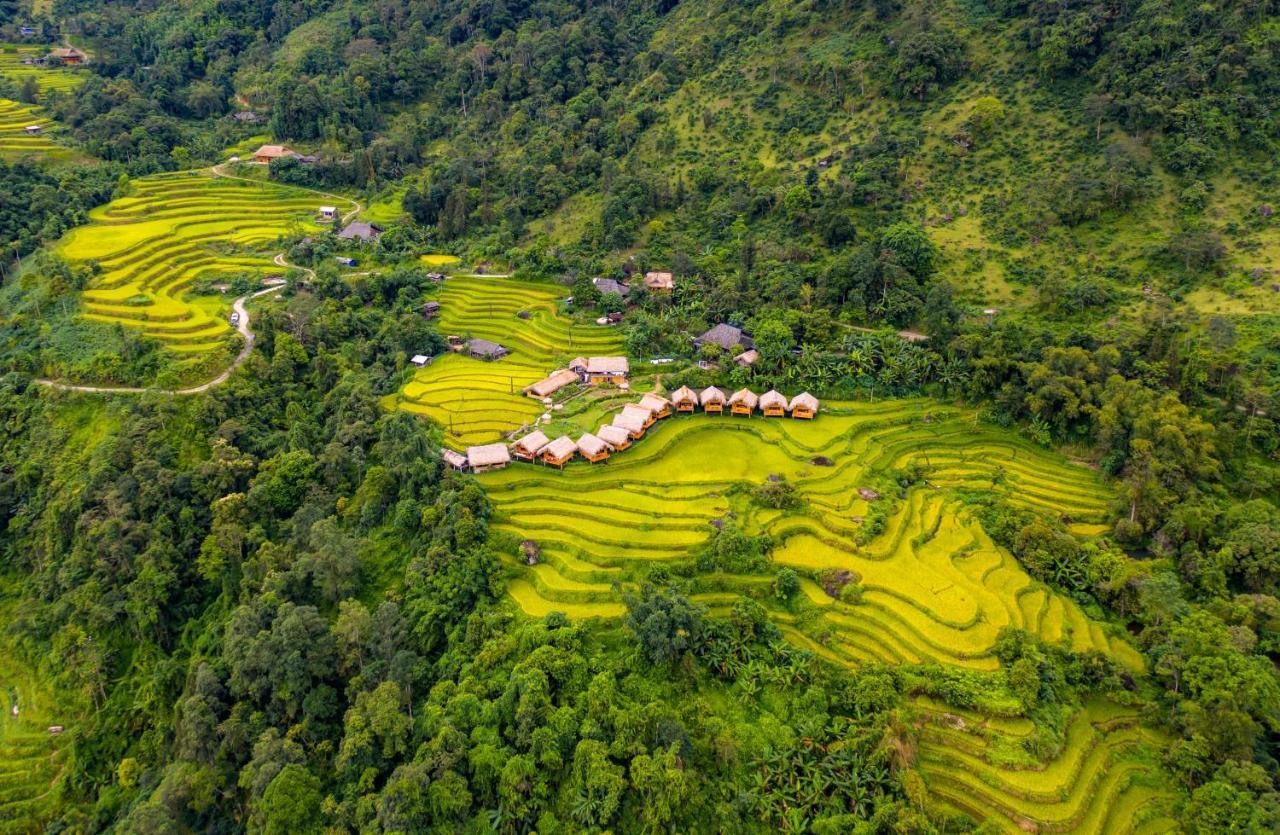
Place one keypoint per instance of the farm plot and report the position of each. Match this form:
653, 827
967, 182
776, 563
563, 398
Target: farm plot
477, 400
31, 759
16, 140
48, 79
171, 231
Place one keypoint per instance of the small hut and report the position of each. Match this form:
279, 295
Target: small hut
747, 358
456, 460
773, 404
592, 448
420, 360
631, 422
430, 309
559, 452
712, 400
645, 416
552, 383
488, 457
804, 405
685, 398
528, 447
743, 402
615, 436
660, 406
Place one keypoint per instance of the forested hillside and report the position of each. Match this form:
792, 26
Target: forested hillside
1026, 253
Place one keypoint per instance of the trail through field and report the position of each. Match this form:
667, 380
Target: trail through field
245, 351
220, 170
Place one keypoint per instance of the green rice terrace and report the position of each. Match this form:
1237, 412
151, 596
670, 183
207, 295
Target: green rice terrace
171, 231
15, 138
48, 79
31, 758
476, 400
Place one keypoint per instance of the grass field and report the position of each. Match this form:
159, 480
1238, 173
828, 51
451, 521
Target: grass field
49, 79
476, 400
14, 139
172, 230
31, 760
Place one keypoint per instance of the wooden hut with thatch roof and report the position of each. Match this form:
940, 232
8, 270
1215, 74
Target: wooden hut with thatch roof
743, 402
773, 404
454, 460
488, 457
559, 452
528, 447
640, 412
660, 406
712, 400
685, 399
592, 448
804, 405
615, 436
630, 421
552, 383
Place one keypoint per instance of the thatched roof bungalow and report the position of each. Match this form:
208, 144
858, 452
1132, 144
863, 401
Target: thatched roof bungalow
660, 406
456, 460
685, 398
632, 422
602, 369
804, 405
615, 436
712, 400
659, 282
528, 447
559, 452
743, 402
592, 448
645, 415
488, 457
552, 383
773, 403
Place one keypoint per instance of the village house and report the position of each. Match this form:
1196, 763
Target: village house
728, 337
488, 457
912, 336
712, 400
420, 360
456, 460
685, 399
592, 448
267, 153
609, 285
328, 212
552, 383
559, 452
659, 282
360, 231
430, 309
483, 349
773, 404
528, 447
659, 406
633, 423
804, 405
247, 116
743, 402
747, 358
615, 436
70, 56
601, 369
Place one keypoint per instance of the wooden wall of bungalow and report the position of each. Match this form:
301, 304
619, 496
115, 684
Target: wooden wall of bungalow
592, 448
743, 402
685, 399
773, 404
712, 400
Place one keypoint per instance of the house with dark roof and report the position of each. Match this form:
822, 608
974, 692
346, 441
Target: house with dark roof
360, 231
726, 336
483, 349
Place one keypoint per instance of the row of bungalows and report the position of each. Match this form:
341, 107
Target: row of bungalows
745, 402
536, 447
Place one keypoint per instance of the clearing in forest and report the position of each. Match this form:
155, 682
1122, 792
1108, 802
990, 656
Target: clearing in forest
171, 231
15, 138
477, 400
48, 79
31, 759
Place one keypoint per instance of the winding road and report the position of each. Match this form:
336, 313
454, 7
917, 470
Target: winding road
238, 306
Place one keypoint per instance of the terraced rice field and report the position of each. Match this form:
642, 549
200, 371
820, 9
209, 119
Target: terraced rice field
15, 117
49, 79
477, 400
31, 760
172, 230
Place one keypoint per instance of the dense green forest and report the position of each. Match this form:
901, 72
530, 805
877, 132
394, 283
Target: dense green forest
271, 607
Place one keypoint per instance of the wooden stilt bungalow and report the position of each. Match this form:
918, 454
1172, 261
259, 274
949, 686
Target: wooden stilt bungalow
559, 452
632, 423
804, 405
528, 447
616, 437
685, 399
743, 402
455, 460
592, 448
488, 457
660, 406
641, 413
773, 404
712, 400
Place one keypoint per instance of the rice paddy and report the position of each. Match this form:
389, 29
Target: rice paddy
48, 79
171, 231
31, 759
15, 138
478, 400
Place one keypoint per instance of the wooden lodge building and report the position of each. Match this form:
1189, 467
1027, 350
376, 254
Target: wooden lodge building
615, 436
592, 448
69, 56
685, 399
659, 406
455, 460
559, 452
659, 282
488, 457
528, 447
743, 402
804, 406
773, 404
552, 383
632, 422
267, 153
712, 400
601, 369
